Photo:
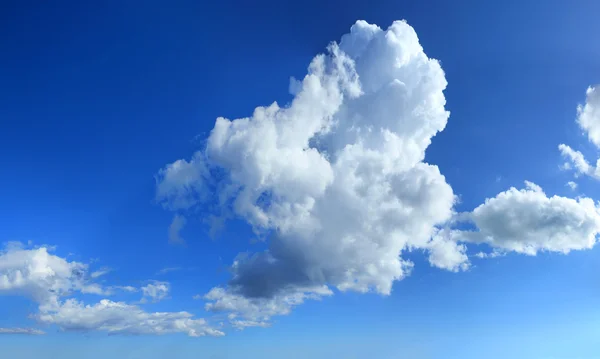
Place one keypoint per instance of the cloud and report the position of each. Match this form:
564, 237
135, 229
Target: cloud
175, 228
155, 291
181, 184
125, 288
336, 183
21, 331
588, 119
578, 161
168, 270
100, 272
335, 180
588, 115
528, 221
448, 254
572, 185
39, 275
50, 280
122, 318
258, 311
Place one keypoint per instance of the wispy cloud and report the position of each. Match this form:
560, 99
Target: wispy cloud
21, 331
100, 272
168, 270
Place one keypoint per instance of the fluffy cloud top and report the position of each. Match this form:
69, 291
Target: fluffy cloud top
528, 221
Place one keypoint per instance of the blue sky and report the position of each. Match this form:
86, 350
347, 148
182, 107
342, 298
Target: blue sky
106, 113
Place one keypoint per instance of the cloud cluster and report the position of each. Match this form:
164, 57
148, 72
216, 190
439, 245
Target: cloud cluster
588, 119
336, 181
51, 281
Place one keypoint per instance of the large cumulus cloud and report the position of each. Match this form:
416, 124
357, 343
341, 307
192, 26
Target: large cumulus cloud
336, 180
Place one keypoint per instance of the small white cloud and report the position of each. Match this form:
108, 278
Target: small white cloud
447, 254
528, 221
21, 331
175, 229
494, 254
588, 115
572, 185
182, 184
155, 291
578, 162
243, 324
100, 272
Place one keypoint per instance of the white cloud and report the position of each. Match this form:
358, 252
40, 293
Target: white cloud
122, 318
588, 115
100, 272
447, 254
493, 254
336, 180
588, 119
49, 280
572, 185
243, 324
22, 331
181, 184
42, 276
175, 229
528, 221
578, 161
258, 311
155, 291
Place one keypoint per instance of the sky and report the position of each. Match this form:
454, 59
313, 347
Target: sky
223, 180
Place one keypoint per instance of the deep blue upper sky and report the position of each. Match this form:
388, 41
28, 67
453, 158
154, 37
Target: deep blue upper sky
95, 98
